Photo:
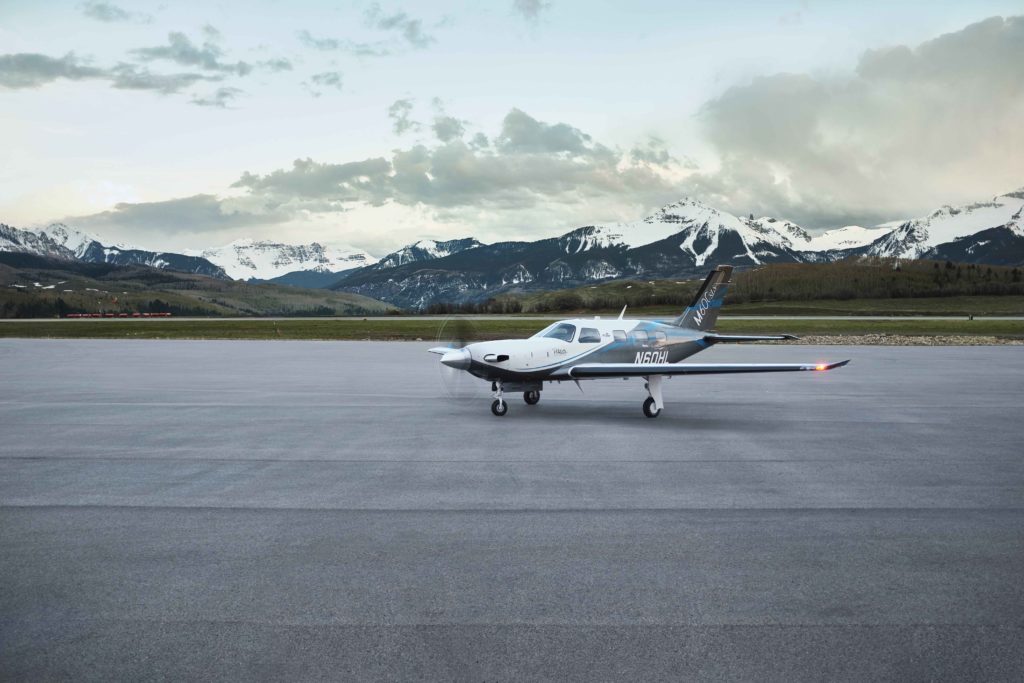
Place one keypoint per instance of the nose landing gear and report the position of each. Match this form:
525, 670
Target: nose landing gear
499, 407
531, 394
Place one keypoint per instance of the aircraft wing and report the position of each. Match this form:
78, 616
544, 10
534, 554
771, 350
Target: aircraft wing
644, 369
729, 338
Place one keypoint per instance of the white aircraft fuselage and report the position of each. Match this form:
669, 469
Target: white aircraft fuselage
596, 348
593, 340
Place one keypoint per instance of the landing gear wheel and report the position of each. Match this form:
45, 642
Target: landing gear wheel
531, 397
649, 409
499, 407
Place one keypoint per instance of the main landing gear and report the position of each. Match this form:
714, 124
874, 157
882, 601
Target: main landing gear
653, 404
532, 398
649, 408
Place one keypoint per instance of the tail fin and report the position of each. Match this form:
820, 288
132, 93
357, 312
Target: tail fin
703, 312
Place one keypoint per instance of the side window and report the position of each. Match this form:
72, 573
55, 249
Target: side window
660, 336
639, 336
619, 335
589, 335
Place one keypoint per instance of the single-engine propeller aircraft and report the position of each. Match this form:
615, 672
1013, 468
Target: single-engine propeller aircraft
592, 348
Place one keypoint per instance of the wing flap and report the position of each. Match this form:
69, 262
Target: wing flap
645, 369
733, 338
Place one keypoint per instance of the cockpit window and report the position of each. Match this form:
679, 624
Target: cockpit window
619, 335
639, 336
589, 335
563, 331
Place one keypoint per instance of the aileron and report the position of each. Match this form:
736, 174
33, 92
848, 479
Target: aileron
590, 370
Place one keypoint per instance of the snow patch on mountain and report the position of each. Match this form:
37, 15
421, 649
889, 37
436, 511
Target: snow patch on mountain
249, 259
516, 275
849, 237
427, 250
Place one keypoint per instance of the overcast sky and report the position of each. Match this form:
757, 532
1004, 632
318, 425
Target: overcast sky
177, 125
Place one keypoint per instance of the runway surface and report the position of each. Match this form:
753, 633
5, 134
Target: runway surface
319, 510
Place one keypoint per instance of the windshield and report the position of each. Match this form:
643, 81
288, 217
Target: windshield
563, 331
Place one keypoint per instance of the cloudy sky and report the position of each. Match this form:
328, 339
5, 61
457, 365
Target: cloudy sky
179, 125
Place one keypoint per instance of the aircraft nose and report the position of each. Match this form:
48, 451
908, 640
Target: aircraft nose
457, 358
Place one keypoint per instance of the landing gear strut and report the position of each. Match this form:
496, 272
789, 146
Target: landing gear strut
531, 397
653, 404
499, 407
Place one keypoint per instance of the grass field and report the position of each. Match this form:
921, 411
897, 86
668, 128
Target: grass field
854, 287
922, 306
427, 329
953, 305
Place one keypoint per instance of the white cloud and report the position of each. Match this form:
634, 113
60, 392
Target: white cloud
910, 129
533, 169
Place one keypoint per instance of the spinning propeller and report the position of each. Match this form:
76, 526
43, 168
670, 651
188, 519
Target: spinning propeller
456, 333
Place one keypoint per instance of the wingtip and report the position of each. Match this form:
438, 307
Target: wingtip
822, 367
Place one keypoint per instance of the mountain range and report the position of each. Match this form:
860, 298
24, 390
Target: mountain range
62, 242
679, 240
683, 240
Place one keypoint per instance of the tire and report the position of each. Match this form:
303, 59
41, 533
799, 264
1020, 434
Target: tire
531, 397
649, 409
499, 408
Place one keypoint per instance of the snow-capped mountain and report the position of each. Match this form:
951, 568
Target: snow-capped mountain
75, 241
679, 240
951, 224
426, 250
701, 226
248, 259
60, 241
684, 239
702, 233
57, 240
29, 242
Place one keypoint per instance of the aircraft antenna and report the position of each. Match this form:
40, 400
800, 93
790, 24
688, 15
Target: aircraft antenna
623, 312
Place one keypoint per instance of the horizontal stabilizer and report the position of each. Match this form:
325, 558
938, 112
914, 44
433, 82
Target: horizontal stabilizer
645, 369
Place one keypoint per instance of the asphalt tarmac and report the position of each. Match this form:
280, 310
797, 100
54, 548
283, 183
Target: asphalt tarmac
321, 511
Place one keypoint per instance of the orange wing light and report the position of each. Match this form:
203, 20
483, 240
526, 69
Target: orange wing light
821, 366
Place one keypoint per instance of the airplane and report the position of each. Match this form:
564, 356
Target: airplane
592, 348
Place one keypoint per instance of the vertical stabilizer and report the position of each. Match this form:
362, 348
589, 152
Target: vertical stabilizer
703, 312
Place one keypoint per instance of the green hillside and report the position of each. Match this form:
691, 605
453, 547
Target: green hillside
853, 287
37, 287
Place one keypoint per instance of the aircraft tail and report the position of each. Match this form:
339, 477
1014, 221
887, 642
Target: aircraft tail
703, 312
